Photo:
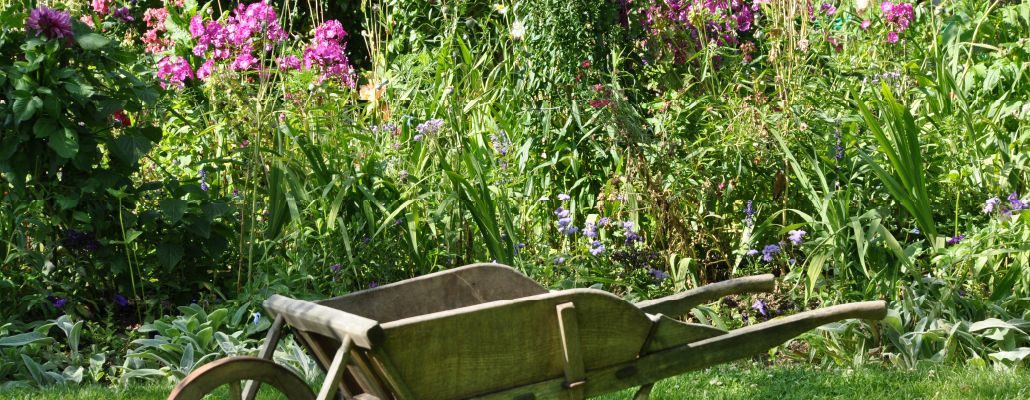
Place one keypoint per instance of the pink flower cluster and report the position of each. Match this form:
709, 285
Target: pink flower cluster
327, 55
251, 25
672, 28
101, 7
173, 71
898, 17
155, 19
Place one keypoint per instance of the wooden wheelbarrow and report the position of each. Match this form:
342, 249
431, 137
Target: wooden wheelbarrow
486, 331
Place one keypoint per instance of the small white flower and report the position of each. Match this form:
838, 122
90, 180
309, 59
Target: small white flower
501, 8
518, 30
861, 5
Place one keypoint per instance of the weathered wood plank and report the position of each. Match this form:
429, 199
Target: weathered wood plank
737, 344
571, 350
334, 374
325, 321
681, 303
668, 333
440, 291
481, 348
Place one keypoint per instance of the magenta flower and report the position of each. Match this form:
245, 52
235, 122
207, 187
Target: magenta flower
829, 9
290, 62
101, 7
173, 70
50, 23
892, 37
244, 61
205, 69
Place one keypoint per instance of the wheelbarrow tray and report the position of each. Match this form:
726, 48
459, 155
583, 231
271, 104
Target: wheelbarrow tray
487, 331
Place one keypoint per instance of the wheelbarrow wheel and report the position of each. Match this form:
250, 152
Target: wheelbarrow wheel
234, 372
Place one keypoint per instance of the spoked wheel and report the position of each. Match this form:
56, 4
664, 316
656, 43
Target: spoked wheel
234, 372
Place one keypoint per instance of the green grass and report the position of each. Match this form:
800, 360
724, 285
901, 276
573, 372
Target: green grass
736, 381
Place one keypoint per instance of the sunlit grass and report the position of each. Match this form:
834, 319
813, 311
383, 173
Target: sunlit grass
735, 381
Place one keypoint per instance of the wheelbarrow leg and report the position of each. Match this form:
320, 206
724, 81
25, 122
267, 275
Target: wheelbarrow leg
275, 332
644, 392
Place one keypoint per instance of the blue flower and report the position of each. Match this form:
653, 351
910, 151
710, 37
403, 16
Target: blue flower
120, 300
795, 236
590, 230
373, 285
990, 204
255, 317
955, 239
335, 268
760, 306
1016, 203
596, 247
430, 126
658, 274
769, 251
752, 252
563, 197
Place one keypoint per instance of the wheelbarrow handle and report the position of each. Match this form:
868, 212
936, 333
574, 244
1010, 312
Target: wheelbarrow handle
681, 303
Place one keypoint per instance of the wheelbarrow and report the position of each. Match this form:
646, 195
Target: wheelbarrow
486, 331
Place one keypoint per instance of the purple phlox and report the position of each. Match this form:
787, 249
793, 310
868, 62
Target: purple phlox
955, 239
174, 71
596, 247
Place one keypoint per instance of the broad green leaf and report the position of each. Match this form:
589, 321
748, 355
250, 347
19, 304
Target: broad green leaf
65, 142
24, 339
169, 254
173, 210
92, 41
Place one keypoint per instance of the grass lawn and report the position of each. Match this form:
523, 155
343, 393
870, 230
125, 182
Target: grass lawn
737, 381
